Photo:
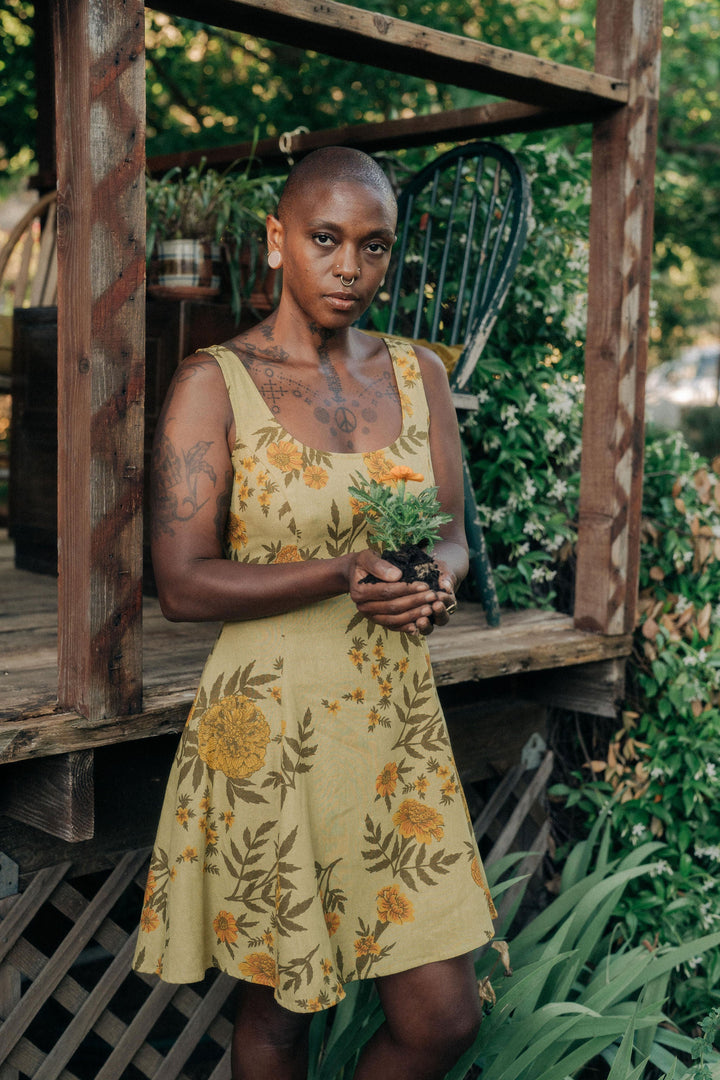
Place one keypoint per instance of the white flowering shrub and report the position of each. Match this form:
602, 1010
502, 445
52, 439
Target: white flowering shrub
658, 777
524, 442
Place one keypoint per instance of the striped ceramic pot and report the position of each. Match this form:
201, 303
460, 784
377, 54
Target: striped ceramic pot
193, 267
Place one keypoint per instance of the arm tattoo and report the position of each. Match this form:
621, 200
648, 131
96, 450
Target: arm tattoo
174, 483
223, 507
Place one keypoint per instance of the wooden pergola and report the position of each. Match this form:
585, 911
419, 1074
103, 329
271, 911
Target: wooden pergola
100, 105
52, 754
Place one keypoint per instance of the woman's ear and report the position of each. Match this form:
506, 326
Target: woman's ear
274, 233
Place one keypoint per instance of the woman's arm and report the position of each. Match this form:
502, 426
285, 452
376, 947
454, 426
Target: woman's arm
191, 485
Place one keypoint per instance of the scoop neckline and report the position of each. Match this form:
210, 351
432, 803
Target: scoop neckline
313, 449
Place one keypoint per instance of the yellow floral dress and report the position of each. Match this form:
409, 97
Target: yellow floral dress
314, 830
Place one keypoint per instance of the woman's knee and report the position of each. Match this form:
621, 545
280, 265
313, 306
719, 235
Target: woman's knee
446, 1033
271, 1025
435, 1010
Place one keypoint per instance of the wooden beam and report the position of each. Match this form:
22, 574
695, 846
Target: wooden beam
100, 96
466, 652
53, 794
453, 125
628, 43
596, 689
350, 33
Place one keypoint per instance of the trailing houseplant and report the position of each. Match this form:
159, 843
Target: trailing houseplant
405, 526
208, 224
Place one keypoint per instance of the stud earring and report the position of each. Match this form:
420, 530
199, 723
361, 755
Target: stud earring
274, 260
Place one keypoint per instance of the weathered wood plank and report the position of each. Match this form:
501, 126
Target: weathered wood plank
452, 125
55, 794
26, 906
71, 996
195, 1027
531, 641
222, 1070
467, 653
533, 791
100, 92
628, 40
597, 689
526, 869
89, 1012
131, 1046
348, 33
43, 986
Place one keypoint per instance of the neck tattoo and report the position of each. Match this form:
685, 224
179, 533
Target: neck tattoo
343, 417
333, 409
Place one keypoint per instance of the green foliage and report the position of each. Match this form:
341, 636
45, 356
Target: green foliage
524, 442
703, 1047
701, 427
228, 207
18, 113
397, 519
208, 87
204, 204
660, 773
561, 993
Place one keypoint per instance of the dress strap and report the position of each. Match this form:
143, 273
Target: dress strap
410, 384
243, 394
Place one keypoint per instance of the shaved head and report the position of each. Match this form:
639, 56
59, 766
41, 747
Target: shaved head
333, 164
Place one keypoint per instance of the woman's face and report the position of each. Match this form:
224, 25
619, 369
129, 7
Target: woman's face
335, 230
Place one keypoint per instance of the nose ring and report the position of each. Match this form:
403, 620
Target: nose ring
347, 283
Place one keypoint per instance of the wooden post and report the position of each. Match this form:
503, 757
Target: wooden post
100, 109
628, 46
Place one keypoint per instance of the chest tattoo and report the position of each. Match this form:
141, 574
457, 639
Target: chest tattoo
332, 407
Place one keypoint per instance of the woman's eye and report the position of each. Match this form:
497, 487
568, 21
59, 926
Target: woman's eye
323, 238
377, 248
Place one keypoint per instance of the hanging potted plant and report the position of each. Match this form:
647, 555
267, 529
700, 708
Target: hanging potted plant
206, 231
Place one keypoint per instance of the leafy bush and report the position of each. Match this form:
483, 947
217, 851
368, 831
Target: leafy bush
659, 775
524, 443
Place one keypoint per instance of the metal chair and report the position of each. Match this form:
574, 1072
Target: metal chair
462, 226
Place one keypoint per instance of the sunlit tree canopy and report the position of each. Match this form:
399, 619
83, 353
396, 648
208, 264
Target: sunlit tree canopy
210, 87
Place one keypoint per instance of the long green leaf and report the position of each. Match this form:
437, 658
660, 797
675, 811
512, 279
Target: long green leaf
495, 871
515, 1054
368, 1021
666, 959
623, 1059
523, 983
577, 864
572, 1062
654, 992
583, 1032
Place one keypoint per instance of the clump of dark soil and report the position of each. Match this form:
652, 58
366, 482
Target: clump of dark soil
415, 564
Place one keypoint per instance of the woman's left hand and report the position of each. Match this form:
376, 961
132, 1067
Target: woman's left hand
445, 604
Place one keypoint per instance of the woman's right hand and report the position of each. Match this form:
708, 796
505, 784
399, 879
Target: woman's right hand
390, 602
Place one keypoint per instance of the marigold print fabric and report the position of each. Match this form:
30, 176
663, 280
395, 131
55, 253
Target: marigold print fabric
314, 831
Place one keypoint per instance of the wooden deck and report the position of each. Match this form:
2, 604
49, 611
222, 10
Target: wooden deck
31, 725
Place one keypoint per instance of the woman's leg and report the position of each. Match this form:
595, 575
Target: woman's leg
432, 1015
268, 1041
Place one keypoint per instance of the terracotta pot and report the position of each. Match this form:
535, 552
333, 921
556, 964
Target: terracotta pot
186, 269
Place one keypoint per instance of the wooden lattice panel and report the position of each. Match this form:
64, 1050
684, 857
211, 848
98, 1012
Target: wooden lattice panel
70, 1006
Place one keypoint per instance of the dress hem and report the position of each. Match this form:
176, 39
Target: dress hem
416, 963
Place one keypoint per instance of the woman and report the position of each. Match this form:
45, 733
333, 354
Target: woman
314, 831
